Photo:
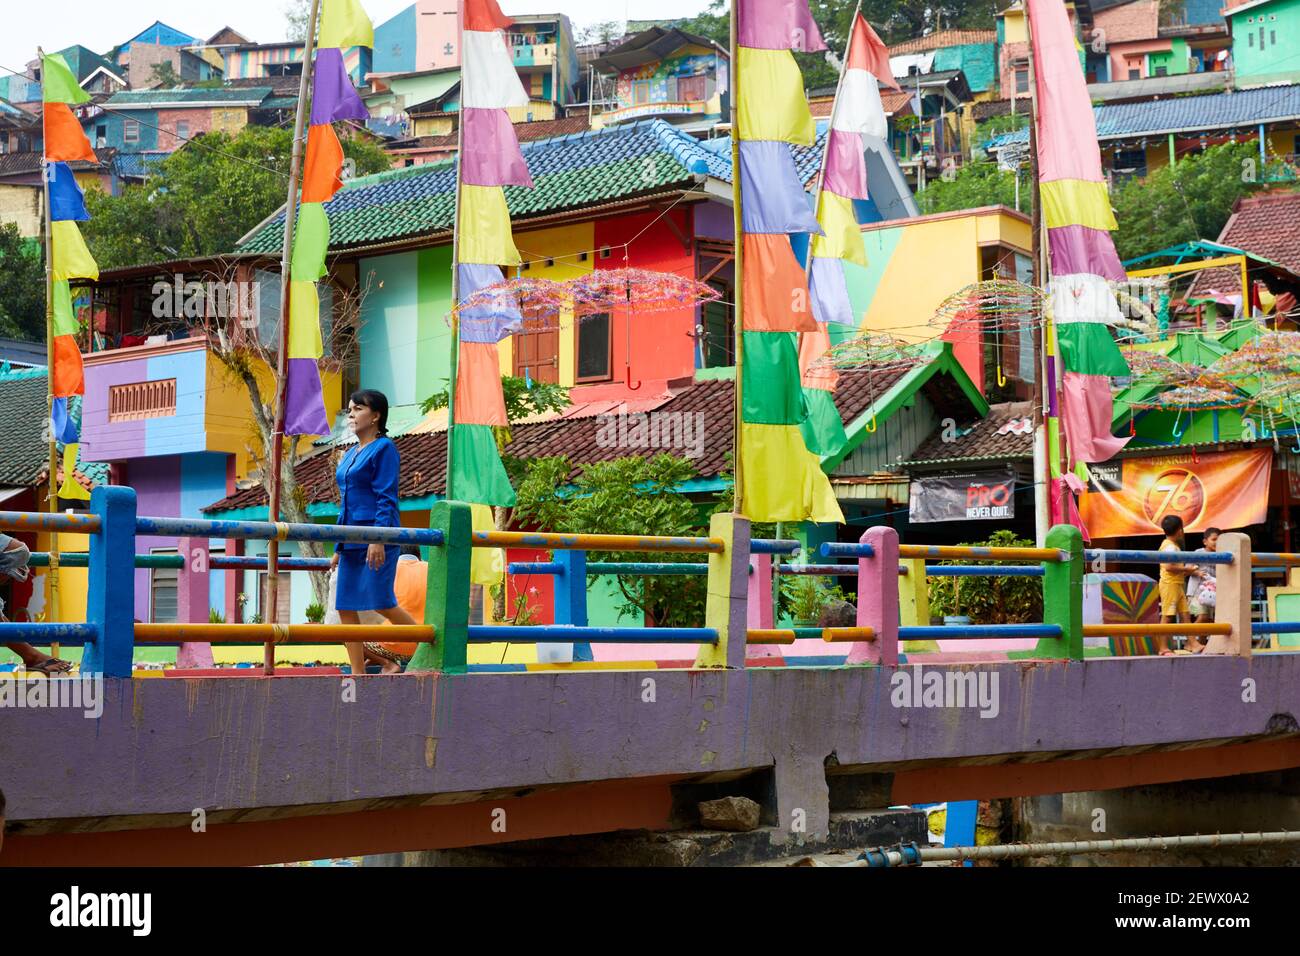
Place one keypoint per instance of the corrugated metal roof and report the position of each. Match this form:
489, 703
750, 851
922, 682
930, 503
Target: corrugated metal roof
224, 96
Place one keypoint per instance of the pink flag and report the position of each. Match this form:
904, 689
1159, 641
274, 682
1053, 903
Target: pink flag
1086, 412
490, 150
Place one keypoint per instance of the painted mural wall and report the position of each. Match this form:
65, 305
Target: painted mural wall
689, 75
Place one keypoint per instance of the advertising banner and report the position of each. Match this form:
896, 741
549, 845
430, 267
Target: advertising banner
1130, 496
968, 496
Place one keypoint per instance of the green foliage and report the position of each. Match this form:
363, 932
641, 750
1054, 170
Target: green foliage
315, 612
215, 616
631, 495
521, 401
985, 130
202, 198
1189, 201
989, 600
804, 597
894, 20
975, 185
164, 74
22, 286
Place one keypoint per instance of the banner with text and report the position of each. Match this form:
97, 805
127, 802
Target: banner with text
976, 495
1223, 490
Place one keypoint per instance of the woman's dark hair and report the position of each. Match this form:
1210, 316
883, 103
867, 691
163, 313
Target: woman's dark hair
1171, 524
377, 402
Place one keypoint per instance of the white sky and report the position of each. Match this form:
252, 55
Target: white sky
101, 24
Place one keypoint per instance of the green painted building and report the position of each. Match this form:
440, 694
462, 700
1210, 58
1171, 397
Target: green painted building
1263, 40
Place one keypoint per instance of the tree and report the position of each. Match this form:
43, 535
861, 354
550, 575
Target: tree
1192, 200
601, 32
203, 198
22, 286
296, 14
247, 354
164, 75
975, 185
632, 495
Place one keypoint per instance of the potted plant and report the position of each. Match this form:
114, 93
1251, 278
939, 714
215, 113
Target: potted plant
315, 613
805, 597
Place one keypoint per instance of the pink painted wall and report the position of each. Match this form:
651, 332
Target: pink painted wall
436, 27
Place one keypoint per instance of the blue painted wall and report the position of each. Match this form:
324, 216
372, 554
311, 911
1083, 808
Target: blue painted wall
114, 123
395, 43
389, 327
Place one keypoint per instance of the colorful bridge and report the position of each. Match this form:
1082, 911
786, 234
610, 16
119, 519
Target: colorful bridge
219, 770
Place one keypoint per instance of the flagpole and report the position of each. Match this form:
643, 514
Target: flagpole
275, 460
459, 166
1044, 388
52, 500
738, 261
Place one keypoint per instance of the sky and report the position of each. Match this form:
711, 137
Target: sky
101, 24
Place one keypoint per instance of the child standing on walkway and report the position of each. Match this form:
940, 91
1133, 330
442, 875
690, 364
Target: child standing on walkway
1173, 581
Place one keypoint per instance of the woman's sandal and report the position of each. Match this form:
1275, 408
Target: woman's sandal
51, 666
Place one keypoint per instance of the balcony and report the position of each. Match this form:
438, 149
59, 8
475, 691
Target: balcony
648, 110
533, 54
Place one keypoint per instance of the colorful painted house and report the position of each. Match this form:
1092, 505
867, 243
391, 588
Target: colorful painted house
259, 61
974, 52
664, 73
1263, 40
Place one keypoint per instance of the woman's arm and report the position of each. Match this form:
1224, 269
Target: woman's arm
387, 470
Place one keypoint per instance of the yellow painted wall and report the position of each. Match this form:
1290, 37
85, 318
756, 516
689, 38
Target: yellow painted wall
434, 126
539, 108
228, 417
229, 120
1013, 25
21, 205
561, 243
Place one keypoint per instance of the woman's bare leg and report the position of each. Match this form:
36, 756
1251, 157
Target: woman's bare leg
356, 653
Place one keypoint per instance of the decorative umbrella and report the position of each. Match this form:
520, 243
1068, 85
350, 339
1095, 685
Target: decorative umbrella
878, 351
1197, 396
995, 305
1156, 368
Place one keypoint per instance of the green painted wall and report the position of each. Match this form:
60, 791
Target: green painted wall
433, 366
979, 61
1263, 39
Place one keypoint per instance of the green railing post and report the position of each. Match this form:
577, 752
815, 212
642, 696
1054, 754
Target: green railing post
447, 606
1063, 595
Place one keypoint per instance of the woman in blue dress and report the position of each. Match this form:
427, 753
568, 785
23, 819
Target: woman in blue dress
367, 480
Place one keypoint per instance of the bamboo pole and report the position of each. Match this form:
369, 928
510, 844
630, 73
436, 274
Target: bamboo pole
52, 495
275, 459
738, 260
454, 364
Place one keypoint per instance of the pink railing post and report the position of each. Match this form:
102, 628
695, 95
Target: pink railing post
1233, 597
193, 600
759, 612
878, 599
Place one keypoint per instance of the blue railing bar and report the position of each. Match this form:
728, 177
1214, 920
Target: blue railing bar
564, 634
1276, 627
51, 633
773, 546
934, 632
983, 571
534, 567
1159, 557
269, 531
833, 549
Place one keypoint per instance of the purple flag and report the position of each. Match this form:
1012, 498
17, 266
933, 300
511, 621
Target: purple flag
830, 292
491, 151
488, 322
304, 412
773, 198
779, 25
846, 166
1076, 249
333, 97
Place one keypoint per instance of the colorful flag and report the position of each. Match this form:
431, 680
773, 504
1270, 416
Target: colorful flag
343, 24
856, 112
490, 160
1078, 218
780, 478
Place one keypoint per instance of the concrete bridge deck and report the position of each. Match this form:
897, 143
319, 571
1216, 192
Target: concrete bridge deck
290, 768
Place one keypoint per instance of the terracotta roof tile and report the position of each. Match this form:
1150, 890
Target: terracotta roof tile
943, 38
424, 455
1007, 433
1265, 225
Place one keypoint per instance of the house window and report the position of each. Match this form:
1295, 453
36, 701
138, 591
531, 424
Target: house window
595, 349
182, 130
1162, 71
690, 89
1022, 81
130, 131
101, 135
718, 330
162, 591
537, 353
